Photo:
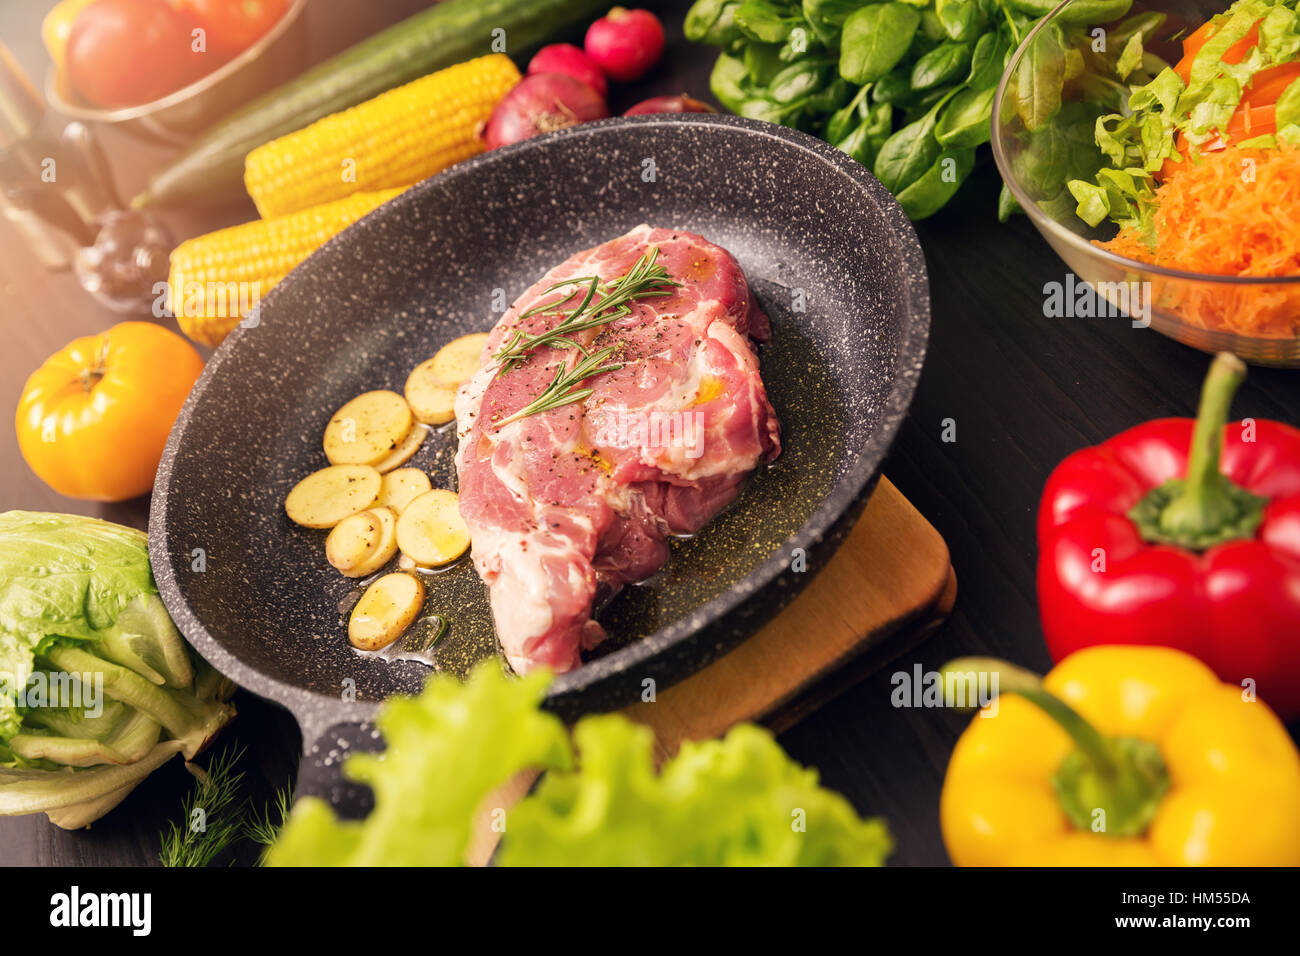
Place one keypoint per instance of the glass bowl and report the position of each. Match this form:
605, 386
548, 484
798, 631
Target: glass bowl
1195, 308
176, 117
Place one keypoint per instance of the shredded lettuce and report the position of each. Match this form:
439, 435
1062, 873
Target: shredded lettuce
736, 801
97, 688
1138, 140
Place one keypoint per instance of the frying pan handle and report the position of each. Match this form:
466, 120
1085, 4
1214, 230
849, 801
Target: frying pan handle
320, 771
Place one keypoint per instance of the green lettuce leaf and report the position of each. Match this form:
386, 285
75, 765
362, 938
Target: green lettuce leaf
97, 687
61, 576
739, 801
447, 749
736, 801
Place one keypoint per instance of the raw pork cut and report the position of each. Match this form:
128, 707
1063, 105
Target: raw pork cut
566, 505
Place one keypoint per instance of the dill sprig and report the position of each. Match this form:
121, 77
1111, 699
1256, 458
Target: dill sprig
212, 814
602, 304
563, 389
264, 828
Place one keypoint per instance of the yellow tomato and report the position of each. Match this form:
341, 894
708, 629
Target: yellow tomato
93, 420
56, 27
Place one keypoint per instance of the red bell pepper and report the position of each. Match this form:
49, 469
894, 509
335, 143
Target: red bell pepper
1183, 533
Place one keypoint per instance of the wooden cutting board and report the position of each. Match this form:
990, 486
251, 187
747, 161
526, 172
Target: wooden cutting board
888, 587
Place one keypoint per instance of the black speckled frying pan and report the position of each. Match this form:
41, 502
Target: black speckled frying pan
831, 257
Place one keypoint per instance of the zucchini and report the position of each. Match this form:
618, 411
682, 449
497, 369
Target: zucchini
447, 33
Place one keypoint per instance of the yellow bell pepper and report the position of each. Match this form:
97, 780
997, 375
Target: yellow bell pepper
1121, 756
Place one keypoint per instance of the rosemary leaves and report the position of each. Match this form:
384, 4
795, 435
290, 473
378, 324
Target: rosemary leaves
601, 304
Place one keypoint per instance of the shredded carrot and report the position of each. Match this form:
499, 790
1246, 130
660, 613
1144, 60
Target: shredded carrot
1233, 212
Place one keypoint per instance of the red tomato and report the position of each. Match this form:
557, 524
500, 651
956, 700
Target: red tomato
1254, 115
1267, 85
1233, 54
128, 52
235, 25
1246, 123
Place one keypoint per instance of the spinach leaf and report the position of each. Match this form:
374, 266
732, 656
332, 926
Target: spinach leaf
762, 62
1041, 78
847, 117
907, 154
874, 39
965, 120
759, 108
830, 97
986, 64
712, 22
961, 19
1007, 205
1080, 11
929, 192
943, 64
1140, 24
893, 87
1046, 159
827, 17
798, 80
727, 81
864, 143
764, 21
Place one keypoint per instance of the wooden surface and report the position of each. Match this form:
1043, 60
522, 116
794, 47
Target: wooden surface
890, 577
1022, 390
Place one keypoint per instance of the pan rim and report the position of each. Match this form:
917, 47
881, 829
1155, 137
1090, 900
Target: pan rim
910, 356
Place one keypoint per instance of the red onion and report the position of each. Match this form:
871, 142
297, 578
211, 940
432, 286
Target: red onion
626, 43
669, 104
541, 103
569, 59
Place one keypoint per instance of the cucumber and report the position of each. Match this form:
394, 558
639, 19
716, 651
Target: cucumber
452, 31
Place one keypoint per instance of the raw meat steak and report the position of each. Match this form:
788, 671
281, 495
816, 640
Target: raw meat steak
567, 505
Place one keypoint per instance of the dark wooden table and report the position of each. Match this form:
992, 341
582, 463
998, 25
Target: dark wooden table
1022, 389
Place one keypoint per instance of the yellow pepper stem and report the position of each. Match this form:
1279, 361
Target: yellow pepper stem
1111, 786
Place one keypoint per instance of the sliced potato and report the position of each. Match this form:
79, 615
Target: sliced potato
458, 360
363, 543
403, 452
430, 531
387, 609
326, 497
432, 402
367, 429
399, 488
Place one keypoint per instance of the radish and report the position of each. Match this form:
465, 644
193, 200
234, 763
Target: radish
571, 60
540, 103
669, 104
626, 43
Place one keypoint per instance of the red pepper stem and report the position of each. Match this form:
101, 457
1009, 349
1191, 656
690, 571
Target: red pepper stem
1118, 781
1204, 508
1203, 498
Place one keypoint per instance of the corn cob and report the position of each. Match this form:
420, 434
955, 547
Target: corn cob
215, 280
396, 139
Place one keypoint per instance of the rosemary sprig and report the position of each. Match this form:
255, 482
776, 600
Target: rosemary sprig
563, 389
602, 304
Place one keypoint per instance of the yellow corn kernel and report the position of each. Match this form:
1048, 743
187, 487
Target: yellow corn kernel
217, 279
396, 139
